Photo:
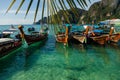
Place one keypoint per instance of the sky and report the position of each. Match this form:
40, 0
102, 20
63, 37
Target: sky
11, 18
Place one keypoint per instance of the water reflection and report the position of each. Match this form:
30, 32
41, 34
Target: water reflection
80, 47
65, 51
94, 51
32, 54
71, 59
12, 64
114, 52
100, 52
19, 61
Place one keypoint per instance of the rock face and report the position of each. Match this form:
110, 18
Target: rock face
105, 9
110, 3
40, 21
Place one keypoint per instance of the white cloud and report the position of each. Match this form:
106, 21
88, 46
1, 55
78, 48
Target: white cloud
15, 21
11, 18
14, 11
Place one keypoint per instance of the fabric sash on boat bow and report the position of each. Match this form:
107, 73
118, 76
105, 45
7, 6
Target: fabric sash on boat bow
24, 42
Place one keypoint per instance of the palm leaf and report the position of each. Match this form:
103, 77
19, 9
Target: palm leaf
43, 9
36, 11
20, 6
13, 1
65, 6
51, 13
64, 12
57, 15
28, 8
80, 4
56, 8
48, 11
75, 7
53, 19
83, 2
72, 8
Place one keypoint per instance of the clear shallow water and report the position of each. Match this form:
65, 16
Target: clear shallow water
53, 61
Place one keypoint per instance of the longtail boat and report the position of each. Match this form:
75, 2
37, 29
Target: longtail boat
113, 37
62, 37
80, 37
7, 33
99, 39
89, 37
35, 37
105, 38
7, 45
96, 36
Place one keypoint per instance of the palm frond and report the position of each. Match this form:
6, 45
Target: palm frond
13, 1
20, 6
43, 9
48, 11
72, 8
28, 8
80, 4
53, 7
36, 11
84, 2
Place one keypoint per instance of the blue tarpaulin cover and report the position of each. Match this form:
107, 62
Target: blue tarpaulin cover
98, 31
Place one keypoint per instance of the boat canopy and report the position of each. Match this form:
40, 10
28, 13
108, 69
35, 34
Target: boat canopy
9, 31
4, 40
111, 21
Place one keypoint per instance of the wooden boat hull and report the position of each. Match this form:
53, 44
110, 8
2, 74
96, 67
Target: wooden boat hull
114, 38
8, 46
81, 39
90, 40
35, 38
100, 39
103, 39
61, 38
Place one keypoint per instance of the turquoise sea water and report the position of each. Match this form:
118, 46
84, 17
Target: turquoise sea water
53, 61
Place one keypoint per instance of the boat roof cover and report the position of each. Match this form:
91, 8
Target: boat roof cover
2, 40
9, 31
111, 21
98, 31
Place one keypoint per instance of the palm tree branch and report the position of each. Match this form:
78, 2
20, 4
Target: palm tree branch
43, 9
28, 7
36, 11
20, 6
13, 1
